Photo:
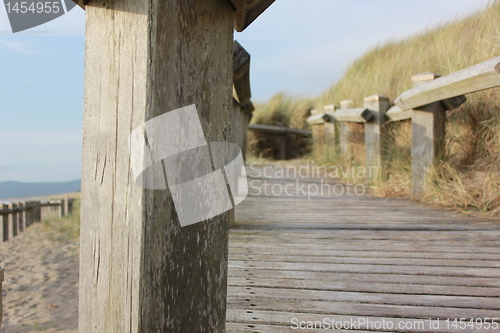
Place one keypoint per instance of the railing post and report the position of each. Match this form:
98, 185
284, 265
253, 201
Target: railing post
37, 211
21, 216
4, 228
375, 133
345, 135
282, 146
62, 212
13, 225
330, 128
428, 131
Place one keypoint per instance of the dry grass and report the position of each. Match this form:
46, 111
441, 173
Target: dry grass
66, 228
469, 175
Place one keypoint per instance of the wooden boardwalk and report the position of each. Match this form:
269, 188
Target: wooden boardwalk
360, 263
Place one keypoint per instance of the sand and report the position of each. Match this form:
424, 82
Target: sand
40, 291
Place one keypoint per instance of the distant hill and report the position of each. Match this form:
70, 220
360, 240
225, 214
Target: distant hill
21, 190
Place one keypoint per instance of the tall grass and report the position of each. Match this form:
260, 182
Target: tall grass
469, 174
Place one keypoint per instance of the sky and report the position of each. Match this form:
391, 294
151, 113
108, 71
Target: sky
300, 47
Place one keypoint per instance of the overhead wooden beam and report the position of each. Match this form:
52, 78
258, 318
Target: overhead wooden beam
247, 11
241, 74
482, 76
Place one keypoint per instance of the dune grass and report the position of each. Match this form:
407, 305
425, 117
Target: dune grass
66, 228
469, 175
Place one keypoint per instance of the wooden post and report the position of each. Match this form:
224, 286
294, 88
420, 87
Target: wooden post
428, 130
37, 211
4, 229
13, 225
139, 270
27, 213
330, 128
69, 206
375, 133
21, 217
1, 293
345, 135
62, 212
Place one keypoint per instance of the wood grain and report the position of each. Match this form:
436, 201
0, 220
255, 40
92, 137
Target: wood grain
348, 257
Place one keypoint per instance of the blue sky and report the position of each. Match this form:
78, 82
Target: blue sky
297, 46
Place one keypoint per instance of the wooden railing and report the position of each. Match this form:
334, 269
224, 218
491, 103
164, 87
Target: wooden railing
16, 217
280, 132
425, 104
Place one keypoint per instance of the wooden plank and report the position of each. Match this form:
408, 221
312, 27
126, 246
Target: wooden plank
374, 286
371, 268
277, 129
267, 320
368, 261
366, 277
247, 11
358, 115
360, 309
482, 76
140, 271
459, 302
396, 114
241, 74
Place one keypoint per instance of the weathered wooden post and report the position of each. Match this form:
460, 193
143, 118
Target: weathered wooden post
345, 135
21, 217
37, 211
428, 130
323, 128
13, 225
139, 270
1, 281
28, 210
330, 128
4, 229
62, 206
375, 133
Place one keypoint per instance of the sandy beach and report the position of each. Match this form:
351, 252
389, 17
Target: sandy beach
40, 291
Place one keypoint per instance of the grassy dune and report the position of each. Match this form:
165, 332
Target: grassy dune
469, 175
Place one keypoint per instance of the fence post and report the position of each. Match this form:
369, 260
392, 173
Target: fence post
139, 270
21, 216
37, 211
330, 128
345, 135
13, 230
4, 230
62, 212
375, 133
428, 130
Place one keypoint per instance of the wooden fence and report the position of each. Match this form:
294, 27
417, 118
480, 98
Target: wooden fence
425, 104
280, 132
16, 217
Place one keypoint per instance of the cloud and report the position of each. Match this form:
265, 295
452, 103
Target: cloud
17, 46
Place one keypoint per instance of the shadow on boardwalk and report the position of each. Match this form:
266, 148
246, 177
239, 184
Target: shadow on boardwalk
358, 262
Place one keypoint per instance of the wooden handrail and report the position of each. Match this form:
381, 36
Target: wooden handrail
278, 129
479, 77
